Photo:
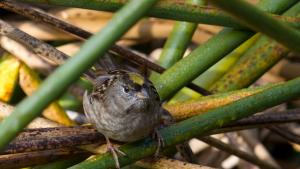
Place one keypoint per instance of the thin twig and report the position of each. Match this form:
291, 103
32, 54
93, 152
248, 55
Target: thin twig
41, 16
21, 52
251, 138
39, 47
21, 160
262, 120
285, 133
292, 115
53, 138
248, 157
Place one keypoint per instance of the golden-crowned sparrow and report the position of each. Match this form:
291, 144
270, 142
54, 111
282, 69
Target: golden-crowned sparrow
123, 106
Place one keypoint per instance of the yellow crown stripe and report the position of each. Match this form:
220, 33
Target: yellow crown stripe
136, 78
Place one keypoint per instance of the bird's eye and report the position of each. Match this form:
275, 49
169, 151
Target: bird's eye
126, 89
137, 87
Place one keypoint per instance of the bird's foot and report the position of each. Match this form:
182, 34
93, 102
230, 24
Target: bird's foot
115, 152
160, 142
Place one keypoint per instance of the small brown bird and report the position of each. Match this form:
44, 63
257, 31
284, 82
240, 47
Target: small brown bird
123, 106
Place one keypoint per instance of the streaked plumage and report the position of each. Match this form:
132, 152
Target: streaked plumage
123, 106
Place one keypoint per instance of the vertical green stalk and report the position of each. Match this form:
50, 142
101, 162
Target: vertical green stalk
255, 62
65, 75
177, 43
178, 40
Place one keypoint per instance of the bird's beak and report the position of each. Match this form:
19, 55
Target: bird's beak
142, 95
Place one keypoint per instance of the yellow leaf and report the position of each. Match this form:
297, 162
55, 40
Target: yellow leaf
9, 71
29, 82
